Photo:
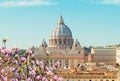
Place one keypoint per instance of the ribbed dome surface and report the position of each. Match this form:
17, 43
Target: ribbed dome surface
61, 30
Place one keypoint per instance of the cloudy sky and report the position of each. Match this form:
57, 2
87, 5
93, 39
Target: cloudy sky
27, 22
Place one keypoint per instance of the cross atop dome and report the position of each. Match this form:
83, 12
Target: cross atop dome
61, 21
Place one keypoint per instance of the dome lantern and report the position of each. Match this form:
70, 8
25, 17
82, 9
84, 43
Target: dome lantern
61, 21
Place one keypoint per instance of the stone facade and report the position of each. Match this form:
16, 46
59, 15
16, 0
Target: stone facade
61, 48
64, 48
118, 56
104, 55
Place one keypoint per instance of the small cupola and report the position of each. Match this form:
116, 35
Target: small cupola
76, 44
43, 44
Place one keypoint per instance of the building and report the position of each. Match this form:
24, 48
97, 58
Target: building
104, 55
118, 56
68, 51
62, 47
96, 73
71, 56
88, 77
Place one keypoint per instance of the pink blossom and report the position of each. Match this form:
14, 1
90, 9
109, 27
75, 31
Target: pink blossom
49, 72
7, 51
16, 74
23, 75
16, 56
29, 79
16, 50
13, 79
60, 79
41, 63
57, 64
29, 68
2, 52
44, 79
15, 61
16, 79
2, 71
55, 78
6, 56
23, 59
4, 78
52, 68
33, 73
33, 55
37, 62
12, 69
32, 62
33, 67
46, 68
47, 52
38, 77
29, 52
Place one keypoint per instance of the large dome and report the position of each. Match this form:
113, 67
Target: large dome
61, 37
61, 30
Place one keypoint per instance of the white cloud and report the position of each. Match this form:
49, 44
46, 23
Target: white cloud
112, 2
18, 3
116, 2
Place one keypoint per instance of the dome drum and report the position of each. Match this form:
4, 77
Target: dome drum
61, 43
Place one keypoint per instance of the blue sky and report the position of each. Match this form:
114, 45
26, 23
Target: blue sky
92, 22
